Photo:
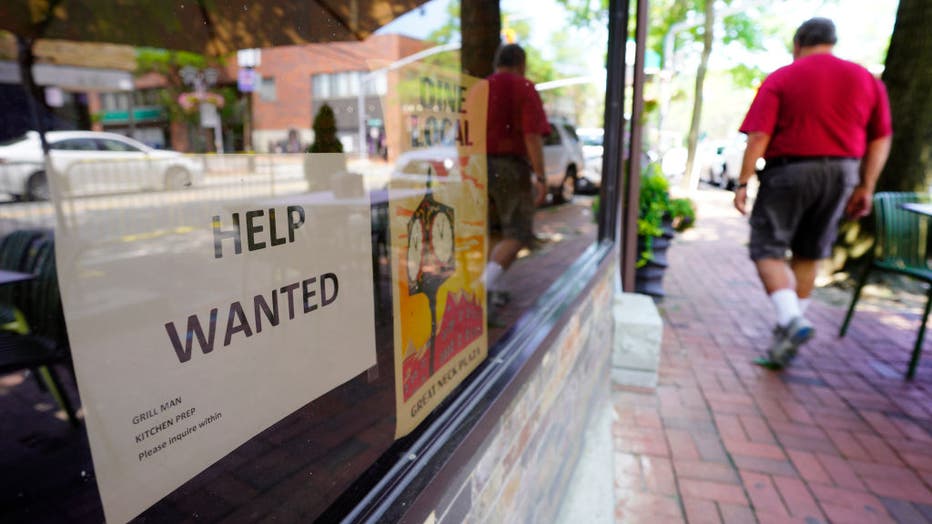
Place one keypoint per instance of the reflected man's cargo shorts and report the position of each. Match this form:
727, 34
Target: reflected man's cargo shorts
799, 206
510, 192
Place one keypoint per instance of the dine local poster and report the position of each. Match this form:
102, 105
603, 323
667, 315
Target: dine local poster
439, 238
197, 321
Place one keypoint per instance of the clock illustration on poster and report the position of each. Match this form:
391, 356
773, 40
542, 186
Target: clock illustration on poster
430, 257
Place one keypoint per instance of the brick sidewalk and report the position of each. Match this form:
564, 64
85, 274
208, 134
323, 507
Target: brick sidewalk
839, 437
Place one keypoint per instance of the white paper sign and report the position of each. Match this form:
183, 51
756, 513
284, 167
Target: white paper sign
190, 335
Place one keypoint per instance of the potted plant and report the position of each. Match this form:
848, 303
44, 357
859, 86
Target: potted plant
659, 218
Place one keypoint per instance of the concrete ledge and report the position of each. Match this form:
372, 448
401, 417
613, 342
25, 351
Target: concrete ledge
638, 333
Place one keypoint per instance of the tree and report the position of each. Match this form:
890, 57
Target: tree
167, 65
693, 137
325, 132
484, 20
679, 23
539, 69
908, 77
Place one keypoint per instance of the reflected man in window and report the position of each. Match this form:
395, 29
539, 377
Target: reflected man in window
515, 129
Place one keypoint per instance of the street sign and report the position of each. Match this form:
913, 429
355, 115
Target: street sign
246, 80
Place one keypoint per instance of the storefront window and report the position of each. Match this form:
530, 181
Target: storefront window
267, 89
258, 333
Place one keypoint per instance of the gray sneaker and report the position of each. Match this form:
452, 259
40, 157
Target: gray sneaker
787, 339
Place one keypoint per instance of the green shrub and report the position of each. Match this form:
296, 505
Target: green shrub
325, 132
655, 205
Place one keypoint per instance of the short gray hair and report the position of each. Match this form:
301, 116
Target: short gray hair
815, 31
510, 55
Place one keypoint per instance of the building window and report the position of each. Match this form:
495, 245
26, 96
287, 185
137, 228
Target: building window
320, 86
114, 101
267, 89
328, 86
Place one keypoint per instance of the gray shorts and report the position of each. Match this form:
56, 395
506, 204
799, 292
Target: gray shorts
511, 196
799, 206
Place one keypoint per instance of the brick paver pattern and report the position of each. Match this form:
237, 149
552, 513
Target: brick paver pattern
838, 437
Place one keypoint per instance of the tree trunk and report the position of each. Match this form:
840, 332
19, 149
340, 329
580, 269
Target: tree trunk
908, 77
480, 27
690, 181
35, 97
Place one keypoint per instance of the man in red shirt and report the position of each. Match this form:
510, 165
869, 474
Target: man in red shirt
515, 129
822, 125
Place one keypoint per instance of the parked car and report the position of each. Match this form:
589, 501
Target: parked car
590, 178
91, 162
722, 161
563, 161
732, 156
711, 158
673, 164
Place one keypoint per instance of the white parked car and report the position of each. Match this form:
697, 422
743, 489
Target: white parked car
563, 160
721, 161
91, 162
590, 178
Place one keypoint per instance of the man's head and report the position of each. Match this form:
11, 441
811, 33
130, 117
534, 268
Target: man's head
814, 33
510, 57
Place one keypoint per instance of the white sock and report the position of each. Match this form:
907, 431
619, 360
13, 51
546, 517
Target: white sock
493, 270
787, 305
804, 305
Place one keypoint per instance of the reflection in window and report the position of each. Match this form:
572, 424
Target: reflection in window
355, 422
552, 139
329, 86
75, 144
267, 89
115, 145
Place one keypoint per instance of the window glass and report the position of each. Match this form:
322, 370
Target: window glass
553, 137
259, 332
75, 144
13, 140
571, 132
267, 90
321, 86
115, 145
378, 84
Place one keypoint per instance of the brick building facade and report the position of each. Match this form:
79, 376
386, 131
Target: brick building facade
285, 95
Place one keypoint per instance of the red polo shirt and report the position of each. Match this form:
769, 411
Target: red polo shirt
820, 105
514, 109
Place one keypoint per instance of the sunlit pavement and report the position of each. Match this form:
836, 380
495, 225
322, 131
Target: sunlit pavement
838, 437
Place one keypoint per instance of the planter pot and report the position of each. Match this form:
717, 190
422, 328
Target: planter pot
648, 279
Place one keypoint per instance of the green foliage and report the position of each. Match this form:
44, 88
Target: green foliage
325, 132
664, 14
585, 13
166, 62
740, 28
654, 201
747, 76
539, 69
655, 205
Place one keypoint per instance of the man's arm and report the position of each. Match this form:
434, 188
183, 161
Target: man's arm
757, 145
535, 152
878, 150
